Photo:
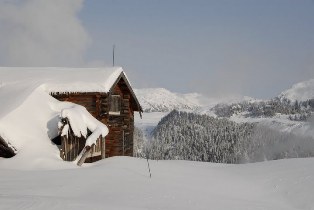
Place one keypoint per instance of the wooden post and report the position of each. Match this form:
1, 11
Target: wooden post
113, 48
123, 142
98, 107
103, 147
87, 152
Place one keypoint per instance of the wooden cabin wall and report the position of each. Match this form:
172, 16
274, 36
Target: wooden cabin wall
91, 101
119, 141
72, 145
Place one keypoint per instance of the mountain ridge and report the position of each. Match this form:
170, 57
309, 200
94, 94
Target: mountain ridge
163, 100
300, 91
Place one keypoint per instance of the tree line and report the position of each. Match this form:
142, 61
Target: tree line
190, 136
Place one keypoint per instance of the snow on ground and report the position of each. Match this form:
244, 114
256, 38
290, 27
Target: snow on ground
124, 183
37, 178
28, 128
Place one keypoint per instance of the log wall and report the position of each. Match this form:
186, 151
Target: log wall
119, 141
72, 146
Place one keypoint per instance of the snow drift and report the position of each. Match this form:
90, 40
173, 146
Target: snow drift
124, 183
29, 116
81, 121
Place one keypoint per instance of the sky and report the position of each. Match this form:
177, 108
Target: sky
216, 47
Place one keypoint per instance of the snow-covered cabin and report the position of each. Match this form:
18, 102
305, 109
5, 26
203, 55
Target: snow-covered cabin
106, 94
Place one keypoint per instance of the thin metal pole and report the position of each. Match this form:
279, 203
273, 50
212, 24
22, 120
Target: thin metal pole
123, 143
150, 174
113, 48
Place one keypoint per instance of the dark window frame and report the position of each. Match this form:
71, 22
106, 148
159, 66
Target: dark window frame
115, 105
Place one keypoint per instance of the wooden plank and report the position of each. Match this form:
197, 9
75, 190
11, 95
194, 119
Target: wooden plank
103, 147
87, 151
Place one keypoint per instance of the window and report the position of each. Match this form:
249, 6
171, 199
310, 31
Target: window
115, 105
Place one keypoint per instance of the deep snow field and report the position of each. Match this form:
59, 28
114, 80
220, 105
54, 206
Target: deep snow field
37, 178
124, 183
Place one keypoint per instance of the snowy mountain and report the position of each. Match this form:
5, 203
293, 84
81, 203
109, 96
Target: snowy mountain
301, 91
162, 100
282, 122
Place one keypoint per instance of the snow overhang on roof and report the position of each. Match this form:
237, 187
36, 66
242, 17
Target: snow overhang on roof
66, 80
60, 79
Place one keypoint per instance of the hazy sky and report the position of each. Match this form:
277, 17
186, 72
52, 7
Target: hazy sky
221, 47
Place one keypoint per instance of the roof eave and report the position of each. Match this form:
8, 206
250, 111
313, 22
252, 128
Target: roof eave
123, 76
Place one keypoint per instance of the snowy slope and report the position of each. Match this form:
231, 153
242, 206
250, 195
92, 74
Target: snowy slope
301, 91
162, 100
124, 183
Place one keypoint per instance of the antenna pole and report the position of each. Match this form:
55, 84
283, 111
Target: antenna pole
113, 48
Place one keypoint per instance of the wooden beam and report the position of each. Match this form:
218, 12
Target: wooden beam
103, 147
87, 152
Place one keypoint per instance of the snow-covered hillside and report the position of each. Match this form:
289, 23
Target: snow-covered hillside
124, 183
162, 100
277, 114
301, 91
37, 178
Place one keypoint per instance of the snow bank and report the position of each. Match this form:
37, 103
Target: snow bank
124, 183
29, 116
29, 127
81, 121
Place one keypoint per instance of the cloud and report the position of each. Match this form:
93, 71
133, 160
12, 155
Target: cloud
42, 33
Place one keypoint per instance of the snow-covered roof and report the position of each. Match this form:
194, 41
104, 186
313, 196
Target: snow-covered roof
29, 115
61, 79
